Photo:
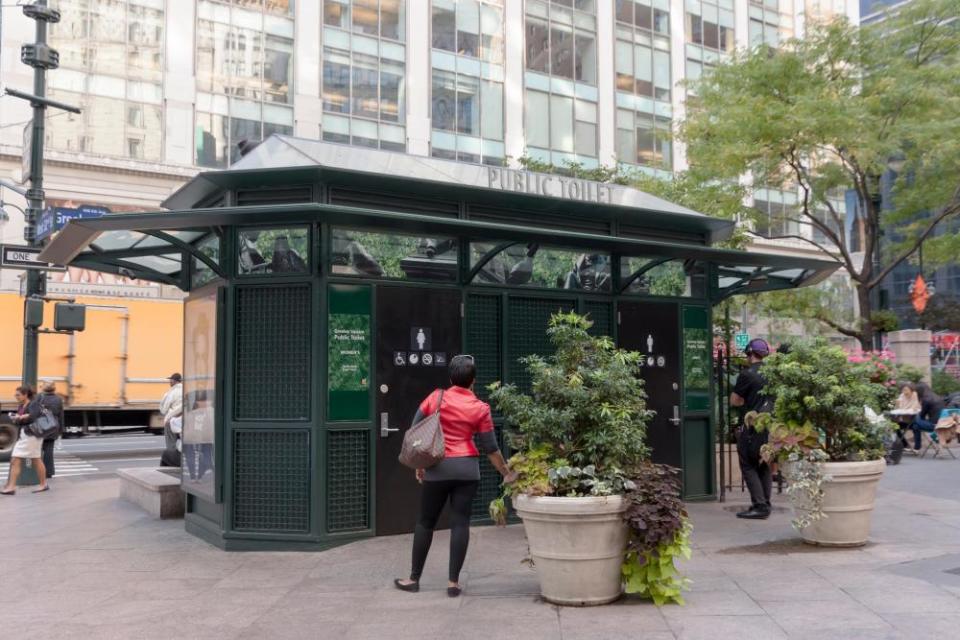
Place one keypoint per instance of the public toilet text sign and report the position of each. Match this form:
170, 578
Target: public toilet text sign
539, 184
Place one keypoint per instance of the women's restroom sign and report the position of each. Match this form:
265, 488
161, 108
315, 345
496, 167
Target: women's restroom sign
421, 339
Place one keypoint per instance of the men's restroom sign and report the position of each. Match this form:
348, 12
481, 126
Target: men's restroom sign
421, 339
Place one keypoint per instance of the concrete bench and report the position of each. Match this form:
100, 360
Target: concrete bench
157, 491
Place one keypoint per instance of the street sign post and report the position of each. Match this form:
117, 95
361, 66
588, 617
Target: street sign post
741, 340
23, 257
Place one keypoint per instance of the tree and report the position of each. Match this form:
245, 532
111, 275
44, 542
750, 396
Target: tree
834, 112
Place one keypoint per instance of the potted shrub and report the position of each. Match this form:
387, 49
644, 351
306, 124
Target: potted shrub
595, 511
833, 453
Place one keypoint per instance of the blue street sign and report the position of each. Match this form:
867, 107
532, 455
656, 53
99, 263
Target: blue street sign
55, 218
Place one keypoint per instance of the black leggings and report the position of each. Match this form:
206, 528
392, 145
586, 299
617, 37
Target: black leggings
434, 495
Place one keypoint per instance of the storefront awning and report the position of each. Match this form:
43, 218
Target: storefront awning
159, 246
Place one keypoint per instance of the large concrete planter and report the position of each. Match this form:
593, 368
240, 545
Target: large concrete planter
850, 489
577, 546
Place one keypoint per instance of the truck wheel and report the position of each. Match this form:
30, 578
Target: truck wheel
8, 438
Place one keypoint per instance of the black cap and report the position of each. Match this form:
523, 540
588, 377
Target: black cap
175, 377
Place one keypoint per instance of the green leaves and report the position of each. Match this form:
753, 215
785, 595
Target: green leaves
587, 403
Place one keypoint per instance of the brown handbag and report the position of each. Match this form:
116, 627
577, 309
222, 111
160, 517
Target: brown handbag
423, 442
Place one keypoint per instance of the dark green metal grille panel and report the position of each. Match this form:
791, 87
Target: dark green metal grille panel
273, 353
271, 480
348, 481
602, 315
489, 481
527, 320
483, 339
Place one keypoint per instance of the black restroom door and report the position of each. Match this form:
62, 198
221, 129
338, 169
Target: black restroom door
418, 331
652, 328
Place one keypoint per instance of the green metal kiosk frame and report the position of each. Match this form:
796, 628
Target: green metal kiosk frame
327, 286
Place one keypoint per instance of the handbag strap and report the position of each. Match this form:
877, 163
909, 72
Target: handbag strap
439, 402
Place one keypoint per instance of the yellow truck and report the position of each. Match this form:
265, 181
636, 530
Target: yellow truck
112, 374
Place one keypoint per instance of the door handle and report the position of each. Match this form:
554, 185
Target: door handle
676, 415
385, 429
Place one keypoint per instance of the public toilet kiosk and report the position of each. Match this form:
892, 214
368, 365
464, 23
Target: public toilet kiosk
328, 286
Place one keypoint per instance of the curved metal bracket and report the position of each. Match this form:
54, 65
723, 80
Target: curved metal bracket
189, 248
487, 257
642, 270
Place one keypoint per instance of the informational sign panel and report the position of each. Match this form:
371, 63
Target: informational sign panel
20, 257
200, 324
55, 218
696, 358
741, 340
348, 353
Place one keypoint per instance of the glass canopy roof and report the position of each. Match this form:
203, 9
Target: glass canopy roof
162, 246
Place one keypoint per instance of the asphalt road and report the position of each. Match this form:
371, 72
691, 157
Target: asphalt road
102, 455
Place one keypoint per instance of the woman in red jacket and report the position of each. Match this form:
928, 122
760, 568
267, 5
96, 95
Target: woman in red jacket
457, 476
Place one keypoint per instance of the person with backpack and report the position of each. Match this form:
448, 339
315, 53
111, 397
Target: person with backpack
748, 395
54, 404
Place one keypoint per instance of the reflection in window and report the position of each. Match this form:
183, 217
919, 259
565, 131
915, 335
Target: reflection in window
561, 123
263, 251
202, 273
376, 18
381, 255
662, 277
644, 139
472, 28
544, 267
244, 69
562, 42
710, 24
770, 24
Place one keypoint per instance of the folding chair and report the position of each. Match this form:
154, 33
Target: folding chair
946, 430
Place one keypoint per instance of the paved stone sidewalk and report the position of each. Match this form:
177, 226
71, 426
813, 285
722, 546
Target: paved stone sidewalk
81, 564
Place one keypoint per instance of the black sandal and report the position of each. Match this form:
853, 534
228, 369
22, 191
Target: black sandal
453, 592
413, 587
8, 493
46, 488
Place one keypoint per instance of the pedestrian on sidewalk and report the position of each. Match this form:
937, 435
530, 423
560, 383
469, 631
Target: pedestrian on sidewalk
748, 395
171, 406
28, 447
455, 478
54, 405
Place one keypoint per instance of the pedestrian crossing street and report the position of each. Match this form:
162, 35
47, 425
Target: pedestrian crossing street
66, 465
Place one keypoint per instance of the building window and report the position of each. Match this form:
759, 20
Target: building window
472, 28
561, 39
643, 71
710, 24
466, 97
376, 18
644, 139
771, 22
649, 15
561, 123
362, 75
112, 57
777, 212
244, 68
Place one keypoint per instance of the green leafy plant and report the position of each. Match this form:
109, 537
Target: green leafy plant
943, 382
822, 394
659, 535
581, 432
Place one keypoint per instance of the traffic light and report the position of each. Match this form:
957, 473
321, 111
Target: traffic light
69, 317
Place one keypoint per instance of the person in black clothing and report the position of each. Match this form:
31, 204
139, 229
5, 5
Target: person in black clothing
54, 405
748, 394
930, 407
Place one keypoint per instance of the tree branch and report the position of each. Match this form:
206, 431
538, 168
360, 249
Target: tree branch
839, 328
947, 211
833, 256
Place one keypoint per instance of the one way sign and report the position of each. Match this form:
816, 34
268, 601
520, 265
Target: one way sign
19, 257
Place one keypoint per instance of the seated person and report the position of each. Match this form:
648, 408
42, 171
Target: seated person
908, 400
926, 420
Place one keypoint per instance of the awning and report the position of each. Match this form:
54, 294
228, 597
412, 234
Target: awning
158, 246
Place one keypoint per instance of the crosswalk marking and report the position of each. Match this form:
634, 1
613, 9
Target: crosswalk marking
66, 465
